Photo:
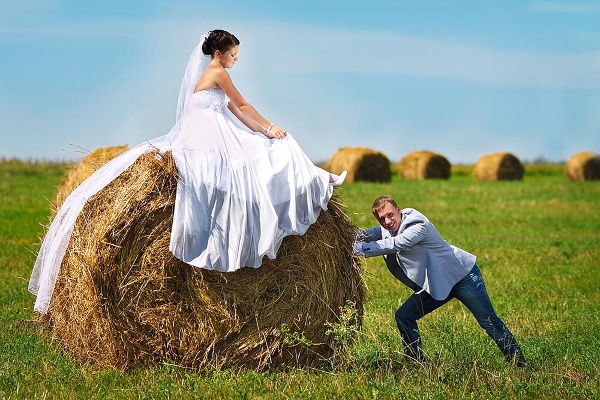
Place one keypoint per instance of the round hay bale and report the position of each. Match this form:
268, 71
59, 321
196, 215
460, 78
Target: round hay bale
424, 164
362, 164
122, 299
84, 168
498, 167
583, 166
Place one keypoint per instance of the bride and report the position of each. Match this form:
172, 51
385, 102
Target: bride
244, 184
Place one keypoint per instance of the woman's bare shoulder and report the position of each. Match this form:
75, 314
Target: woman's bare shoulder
211, 77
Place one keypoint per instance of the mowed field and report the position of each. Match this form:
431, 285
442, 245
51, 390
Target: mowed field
538, 246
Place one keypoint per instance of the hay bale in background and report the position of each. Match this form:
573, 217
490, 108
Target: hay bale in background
123, 299
583, 166
362, 164
84, 168
424, 164
498, 167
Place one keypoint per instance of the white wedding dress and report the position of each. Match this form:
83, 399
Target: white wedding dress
238, 196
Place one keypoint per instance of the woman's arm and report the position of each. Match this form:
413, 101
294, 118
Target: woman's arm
244, 110
251, 124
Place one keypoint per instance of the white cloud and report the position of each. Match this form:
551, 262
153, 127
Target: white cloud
313, 50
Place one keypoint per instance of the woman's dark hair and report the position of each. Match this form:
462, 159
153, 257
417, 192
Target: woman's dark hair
218, 39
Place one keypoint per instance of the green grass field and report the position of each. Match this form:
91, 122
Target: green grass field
538, 246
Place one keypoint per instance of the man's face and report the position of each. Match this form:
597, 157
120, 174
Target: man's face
389, 217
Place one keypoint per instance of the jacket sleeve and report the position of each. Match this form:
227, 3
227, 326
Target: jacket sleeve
412, 234
364, 236
368, 235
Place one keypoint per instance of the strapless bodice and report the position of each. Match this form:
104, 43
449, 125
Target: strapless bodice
209, 98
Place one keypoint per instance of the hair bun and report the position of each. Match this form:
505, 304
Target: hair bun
218, 39
206, 47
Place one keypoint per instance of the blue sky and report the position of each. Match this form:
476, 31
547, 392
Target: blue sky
462, 78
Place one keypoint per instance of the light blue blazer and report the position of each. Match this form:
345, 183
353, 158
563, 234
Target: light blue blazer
422, 254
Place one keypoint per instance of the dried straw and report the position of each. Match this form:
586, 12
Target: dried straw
424, 164
498, 167
362, 164
122, 299
583, 166
84, 168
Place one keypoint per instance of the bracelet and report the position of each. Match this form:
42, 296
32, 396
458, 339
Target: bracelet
269, 128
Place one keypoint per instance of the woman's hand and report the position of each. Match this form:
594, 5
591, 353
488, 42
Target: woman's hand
276, 132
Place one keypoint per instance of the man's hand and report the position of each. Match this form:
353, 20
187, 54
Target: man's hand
358, 248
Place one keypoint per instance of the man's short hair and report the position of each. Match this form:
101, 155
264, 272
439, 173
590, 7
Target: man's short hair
380, 203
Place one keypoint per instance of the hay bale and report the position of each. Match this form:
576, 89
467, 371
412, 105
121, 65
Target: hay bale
498, 167
122, 299
84, 168
424, 164
583, 166
362, 164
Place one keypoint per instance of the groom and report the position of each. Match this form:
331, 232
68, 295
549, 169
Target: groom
436, 271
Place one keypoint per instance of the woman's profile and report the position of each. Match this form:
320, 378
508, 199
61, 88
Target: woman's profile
244, 183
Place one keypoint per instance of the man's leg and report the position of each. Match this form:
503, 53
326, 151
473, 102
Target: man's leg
414, 308
472, 293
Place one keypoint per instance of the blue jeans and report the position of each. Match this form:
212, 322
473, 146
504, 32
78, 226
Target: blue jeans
472, 293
